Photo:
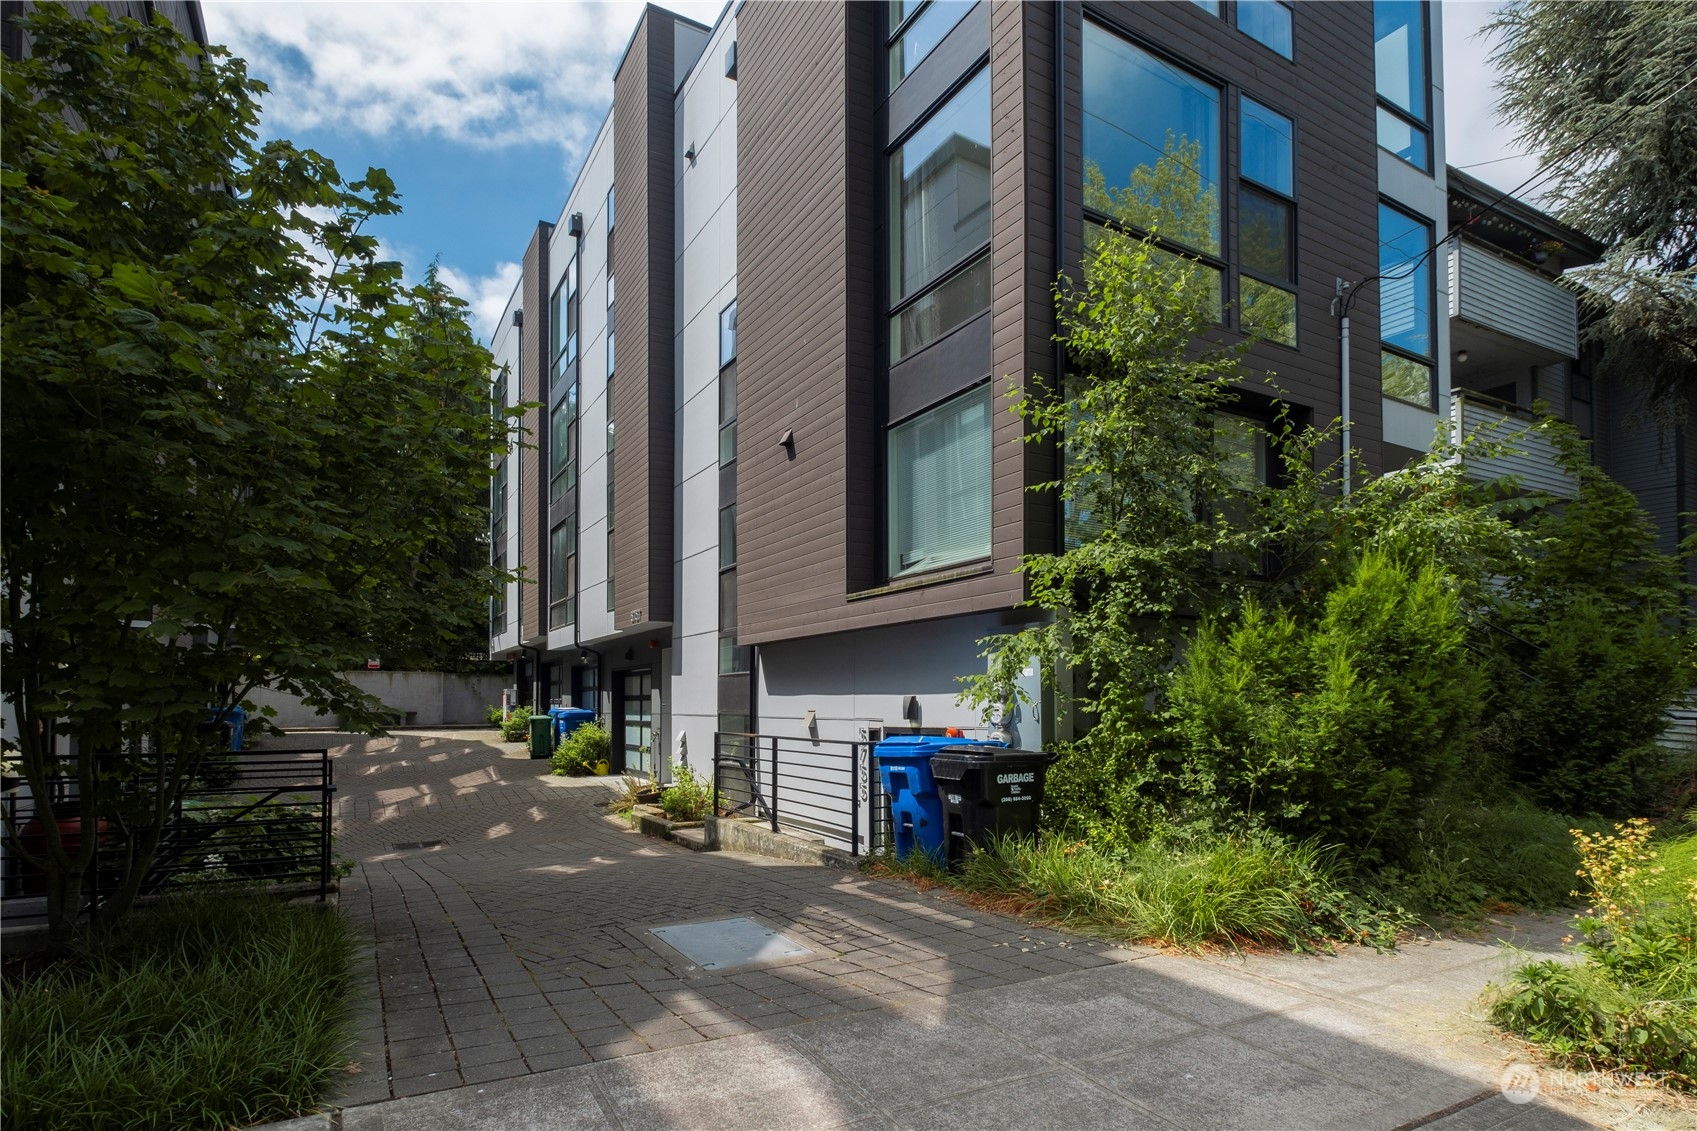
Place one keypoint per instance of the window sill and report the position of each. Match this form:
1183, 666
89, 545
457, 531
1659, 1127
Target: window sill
920, 581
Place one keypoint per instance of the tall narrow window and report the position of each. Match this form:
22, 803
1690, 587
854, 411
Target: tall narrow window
939, 473
1152, 149
1399, 52
916, 29
562, 445
1405, 307
563, 322
728, 384
940, 221
1267, 224
562, 574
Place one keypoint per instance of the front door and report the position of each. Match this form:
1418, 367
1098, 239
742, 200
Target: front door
636, 721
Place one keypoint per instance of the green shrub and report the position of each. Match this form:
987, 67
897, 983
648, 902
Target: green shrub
583, 750
494, 715
688, 798
517, 726
1338, 730
1465, 856
1630, 1004
207, 1011
1256, 888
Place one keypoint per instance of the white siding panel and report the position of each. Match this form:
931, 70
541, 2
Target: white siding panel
1491, 292
1530, 456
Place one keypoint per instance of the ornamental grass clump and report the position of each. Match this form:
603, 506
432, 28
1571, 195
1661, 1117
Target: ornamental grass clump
1630, 1003
209, 1010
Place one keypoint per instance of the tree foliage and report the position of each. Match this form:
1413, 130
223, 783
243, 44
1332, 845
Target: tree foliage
1603, 94
235, 444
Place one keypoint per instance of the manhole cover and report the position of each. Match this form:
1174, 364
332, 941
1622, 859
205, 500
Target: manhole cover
408, 846
729, 942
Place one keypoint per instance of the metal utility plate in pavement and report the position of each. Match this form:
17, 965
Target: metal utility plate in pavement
728, 942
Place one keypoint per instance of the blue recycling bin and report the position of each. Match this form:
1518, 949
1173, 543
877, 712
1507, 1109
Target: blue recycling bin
916, 811
568, 719
233, 729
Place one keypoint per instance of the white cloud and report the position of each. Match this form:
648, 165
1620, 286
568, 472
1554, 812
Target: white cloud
1479, 142
487, 294
495, 74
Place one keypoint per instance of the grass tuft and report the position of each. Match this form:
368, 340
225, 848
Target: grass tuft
210, 1010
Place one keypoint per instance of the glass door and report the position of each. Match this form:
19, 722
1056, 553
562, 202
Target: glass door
636, 721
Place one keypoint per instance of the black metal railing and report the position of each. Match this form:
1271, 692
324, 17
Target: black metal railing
259, 816
820, 787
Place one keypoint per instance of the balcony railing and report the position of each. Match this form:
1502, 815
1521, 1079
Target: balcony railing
1495, 294
1523, 451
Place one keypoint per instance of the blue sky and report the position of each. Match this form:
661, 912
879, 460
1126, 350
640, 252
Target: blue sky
482, 112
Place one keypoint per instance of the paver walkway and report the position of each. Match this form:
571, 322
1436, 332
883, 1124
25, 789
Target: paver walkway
517, 942
517, 982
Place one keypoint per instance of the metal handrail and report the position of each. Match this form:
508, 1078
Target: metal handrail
821, 786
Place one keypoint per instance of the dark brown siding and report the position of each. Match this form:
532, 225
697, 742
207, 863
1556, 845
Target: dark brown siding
809, 240
643, 377
1328, 91
533, 487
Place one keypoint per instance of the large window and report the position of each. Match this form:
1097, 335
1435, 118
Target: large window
562, 445
1399, 50
939, 473
1405, 306
562, 574
1267, 224
915, 30
1151, 147
563, 322
940, 221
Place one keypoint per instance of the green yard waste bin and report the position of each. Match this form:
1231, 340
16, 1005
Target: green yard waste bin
541, 736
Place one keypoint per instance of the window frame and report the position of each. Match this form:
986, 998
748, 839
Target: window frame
1258, 187
1422, 126
968, 259
1219, 262
1428, 361
892, 568
897, 28
1290, 26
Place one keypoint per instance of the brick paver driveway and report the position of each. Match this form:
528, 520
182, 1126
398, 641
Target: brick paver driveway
519, 943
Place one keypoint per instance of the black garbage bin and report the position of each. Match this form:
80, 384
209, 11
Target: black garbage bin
987, 790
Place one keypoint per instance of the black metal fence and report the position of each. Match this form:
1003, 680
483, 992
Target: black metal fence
826, 788
259, 816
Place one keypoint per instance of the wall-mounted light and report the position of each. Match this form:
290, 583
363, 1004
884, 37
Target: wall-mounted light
910, 708
518, 318
689, 154
574, 226
787, 440
810, 721
1461, 356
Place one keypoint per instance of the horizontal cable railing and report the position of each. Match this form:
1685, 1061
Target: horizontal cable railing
825, 788
250, 817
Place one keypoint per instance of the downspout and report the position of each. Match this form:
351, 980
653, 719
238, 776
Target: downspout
1340, 307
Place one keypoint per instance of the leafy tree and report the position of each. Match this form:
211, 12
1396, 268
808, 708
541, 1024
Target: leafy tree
235, 445
1602, 92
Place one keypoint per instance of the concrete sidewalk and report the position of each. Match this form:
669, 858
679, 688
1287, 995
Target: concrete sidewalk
514, 982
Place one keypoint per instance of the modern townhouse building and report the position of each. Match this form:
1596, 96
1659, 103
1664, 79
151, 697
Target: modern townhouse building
792, 499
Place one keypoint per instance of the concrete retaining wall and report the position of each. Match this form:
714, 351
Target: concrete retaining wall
417, 698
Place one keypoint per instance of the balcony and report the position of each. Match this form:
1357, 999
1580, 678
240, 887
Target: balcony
1504, 314
1528, 455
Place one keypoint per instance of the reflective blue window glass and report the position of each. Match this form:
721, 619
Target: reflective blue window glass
1266, 22
1151, 142
1399, 51
1405, 290
921, 37
1397, 135
1267, 148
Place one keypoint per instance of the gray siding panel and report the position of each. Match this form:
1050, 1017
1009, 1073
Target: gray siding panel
1487, 290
